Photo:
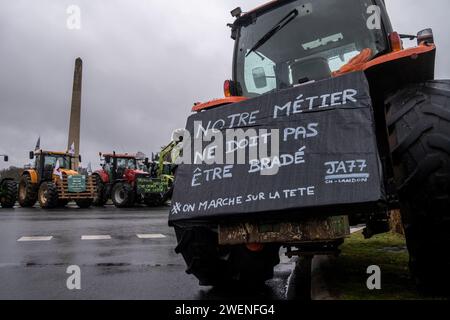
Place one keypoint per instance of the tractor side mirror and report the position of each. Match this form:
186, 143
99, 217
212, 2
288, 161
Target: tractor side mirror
6, 158
426, 36
79, 159
31, 155
259, 77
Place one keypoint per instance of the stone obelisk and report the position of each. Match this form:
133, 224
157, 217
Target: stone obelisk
75, 112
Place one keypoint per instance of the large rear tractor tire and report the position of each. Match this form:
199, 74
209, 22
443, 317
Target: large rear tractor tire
122, 195
221, 266
100, 193
9, 194
48, 195
28, 192
419, 126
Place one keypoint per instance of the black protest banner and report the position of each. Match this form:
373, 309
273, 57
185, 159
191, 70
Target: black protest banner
326, 153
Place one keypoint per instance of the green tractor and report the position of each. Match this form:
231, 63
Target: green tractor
8, 190
163, 168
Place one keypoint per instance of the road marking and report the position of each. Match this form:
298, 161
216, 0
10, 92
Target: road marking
151, 236
29, 239
99, 237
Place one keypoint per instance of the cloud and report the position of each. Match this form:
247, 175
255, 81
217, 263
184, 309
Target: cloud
145, 64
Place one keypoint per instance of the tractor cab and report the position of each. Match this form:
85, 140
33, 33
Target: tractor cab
287, 43
45, 162
117, 165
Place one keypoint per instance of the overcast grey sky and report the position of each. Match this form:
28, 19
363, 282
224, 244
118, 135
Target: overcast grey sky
145, 63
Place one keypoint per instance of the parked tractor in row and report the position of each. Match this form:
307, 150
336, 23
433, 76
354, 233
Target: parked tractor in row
124, 179
127, 179
8, 189
53, 183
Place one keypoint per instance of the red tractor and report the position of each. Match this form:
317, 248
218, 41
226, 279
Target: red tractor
123, 179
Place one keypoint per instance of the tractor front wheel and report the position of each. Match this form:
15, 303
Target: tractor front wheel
9, 194
27, 192
48, 195
419, 127
100, 193
122, 195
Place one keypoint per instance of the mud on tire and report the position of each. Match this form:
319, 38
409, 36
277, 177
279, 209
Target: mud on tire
215, 265
419, 127
9, 188
27, 192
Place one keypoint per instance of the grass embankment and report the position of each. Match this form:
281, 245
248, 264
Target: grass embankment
347, 275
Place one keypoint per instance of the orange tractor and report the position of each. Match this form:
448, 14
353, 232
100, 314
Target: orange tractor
287, 44
53, 183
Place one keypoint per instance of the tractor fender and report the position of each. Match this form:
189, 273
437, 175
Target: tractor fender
33, 175
103, 176
131, 183
216, 103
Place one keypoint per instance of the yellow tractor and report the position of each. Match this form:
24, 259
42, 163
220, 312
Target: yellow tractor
53, 182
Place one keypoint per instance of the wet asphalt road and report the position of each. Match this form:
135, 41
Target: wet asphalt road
122, 267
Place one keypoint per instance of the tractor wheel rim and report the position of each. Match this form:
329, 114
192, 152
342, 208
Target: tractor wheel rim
120, 196
22, 192
43, 196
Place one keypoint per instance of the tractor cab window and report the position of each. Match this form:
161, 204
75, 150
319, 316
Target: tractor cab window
131, 164
126, 163
51, 160
301, 41
121, 163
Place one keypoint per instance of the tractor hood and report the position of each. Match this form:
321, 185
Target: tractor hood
131, 174
69, 172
